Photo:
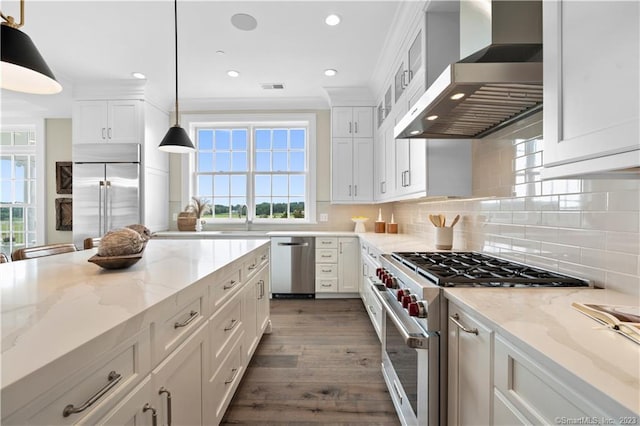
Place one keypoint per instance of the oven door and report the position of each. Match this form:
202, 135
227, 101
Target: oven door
410, 364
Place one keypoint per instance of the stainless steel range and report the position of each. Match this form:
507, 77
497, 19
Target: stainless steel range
409, 286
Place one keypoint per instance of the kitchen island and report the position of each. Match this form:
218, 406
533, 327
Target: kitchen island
63, 318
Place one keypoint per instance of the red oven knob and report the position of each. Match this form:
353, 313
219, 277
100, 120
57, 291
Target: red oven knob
417, 309
379, 272
402, 293
391, 282
407, 300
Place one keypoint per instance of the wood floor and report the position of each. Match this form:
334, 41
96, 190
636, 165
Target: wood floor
320, 365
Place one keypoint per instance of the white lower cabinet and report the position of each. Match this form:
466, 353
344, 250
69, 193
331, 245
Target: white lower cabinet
179, 363
348, 261
470, 381
178, 382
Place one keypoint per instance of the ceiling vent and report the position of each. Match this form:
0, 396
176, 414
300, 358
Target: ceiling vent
269, 86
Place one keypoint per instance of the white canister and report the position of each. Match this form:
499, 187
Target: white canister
444, 237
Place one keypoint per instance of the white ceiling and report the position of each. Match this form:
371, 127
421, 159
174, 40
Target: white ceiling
96, 40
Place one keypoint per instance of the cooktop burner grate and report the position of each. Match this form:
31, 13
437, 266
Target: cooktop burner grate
480, 270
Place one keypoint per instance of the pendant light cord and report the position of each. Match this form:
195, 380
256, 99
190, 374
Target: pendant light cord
175, 16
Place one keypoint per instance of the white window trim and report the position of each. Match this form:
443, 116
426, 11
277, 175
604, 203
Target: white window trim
192, 121
41, 171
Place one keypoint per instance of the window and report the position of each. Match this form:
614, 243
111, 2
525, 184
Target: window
255, 170
17, 189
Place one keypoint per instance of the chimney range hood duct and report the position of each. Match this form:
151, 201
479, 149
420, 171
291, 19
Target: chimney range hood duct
491, 88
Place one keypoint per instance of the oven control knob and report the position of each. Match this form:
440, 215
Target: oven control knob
407, 300
417, 309
391, 282
379, 272
402, 293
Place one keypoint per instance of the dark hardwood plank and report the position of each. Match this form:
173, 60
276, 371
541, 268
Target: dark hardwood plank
320, 365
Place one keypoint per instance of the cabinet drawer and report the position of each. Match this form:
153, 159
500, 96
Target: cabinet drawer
326, 270
104, 382
533, 391
323, 243
225, 381
224, 327
222, 289
255, 262
326, 285
326, 255
170, 333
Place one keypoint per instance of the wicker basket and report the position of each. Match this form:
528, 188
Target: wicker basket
187, 221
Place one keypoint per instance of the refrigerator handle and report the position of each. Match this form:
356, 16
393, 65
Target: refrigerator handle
100, 208
107, 206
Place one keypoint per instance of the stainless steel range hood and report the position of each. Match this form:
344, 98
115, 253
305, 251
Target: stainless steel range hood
491, 88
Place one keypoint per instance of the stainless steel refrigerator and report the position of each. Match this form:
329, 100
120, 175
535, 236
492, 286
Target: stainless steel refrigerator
106, 188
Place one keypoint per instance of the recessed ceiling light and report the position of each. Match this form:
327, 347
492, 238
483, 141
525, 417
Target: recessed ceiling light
220, 52
332, 20
244, 22
330, 72
457, 96
432, 117
233, 73
415, 132
138, 75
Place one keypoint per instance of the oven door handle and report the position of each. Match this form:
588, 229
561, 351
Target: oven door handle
413, 340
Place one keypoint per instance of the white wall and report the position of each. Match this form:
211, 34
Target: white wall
58, 148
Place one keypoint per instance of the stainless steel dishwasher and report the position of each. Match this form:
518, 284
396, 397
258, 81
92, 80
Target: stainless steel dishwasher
293, 267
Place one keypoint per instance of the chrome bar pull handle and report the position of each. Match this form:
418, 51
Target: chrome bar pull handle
356, 126
231, 284
109, 132
232, 325
160, 392
154, 413
349, 190
101, 227
103, 133
455, 318
192, 315
355, 189
233, 376
113, 380
349, 127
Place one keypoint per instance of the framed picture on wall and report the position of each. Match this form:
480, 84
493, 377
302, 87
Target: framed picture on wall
64, 177
64, 214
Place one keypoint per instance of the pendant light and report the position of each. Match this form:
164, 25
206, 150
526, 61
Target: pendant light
176, 140
23, 68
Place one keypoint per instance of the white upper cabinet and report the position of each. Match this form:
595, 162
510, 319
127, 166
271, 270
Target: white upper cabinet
108, 121
591, 87
352, 155
352, 122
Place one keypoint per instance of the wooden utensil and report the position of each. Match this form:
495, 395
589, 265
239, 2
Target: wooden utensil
455, 220
443, 220
435, 220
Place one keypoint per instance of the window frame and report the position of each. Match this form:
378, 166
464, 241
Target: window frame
191, 122
38, 126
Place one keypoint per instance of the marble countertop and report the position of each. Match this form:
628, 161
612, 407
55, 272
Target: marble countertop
542, 321
53, 305
249, 234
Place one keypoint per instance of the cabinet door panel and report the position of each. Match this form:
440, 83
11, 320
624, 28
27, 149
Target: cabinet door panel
342, 173
363, 169
130, 411
124, 122
90, 122
348, 265
591, 108
342, 122
363, 122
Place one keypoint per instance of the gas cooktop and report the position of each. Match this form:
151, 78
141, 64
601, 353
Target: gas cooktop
456, 269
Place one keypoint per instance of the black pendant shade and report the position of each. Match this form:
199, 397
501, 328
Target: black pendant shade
23, 68
176, 140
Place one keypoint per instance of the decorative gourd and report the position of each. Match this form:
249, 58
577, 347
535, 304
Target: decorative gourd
120, 242
144, 232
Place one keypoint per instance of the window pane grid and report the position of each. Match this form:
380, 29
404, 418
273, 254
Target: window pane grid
272, 161
17, 190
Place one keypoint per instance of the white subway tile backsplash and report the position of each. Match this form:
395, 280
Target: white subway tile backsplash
583, 201
611, 221
586, 228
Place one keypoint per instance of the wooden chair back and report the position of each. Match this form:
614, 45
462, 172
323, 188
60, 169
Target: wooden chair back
40, 251
3, 258
90, 243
